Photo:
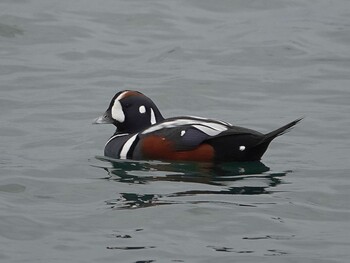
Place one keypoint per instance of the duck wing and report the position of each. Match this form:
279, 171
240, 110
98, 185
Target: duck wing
187, 133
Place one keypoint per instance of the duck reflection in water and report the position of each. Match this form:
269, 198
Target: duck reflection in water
235, 178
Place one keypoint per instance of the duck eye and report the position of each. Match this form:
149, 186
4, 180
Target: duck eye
127, 105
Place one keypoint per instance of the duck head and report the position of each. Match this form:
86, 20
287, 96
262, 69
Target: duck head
130, 111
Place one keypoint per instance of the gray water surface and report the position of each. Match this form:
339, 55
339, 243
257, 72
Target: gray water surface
258, 64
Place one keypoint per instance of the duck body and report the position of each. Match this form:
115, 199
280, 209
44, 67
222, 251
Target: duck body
143, 134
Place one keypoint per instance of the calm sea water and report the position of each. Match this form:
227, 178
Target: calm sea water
258, 64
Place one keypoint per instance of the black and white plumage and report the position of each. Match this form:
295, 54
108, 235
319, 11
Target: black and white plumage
143, 133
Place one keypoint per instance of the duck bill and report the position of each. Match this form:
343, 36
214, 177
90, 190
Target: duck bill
104, 119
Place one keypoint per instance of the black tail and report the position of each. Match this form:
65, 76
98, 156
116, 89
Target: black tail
286, 128
260, 148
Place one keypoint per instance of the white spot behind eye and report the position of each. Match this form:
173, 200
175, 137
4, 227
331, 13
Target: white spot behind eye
142, 109
242, 148
183, 133
117, 112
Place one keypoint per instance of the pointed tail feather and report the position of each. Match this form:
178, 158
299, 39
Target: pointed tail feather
260, 148
286, 128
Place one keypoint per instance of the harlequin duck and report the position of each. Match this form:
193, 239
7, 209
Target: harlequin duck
144, 134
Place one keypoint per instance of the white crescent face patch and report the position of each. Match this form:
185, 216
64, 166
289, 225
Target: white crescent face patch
117, 112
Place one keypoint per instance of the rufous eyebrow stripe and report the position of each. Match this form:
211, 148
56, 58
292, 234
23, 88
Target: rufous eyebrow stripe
128, 93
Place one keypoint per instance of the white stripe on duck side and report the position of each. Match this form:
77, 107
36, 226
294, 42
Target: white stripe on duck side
126, 147
213, 126
210, 120
207, 130
115, 136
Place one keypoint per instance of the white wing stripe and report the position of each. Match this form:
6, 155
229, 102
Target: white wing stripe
175, 123
207, 130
